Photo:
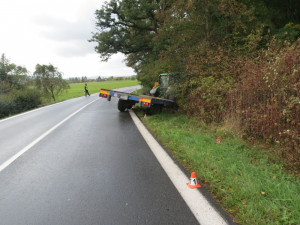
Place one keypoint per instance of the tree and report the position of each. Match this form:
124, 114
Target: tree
125, 26
4, 68
49, 80
130, 27
84, 79
99, 79
11, 75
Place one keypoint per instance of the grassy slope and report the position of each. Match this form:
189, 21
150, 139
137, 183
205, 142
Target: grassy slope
77, 89
248, 183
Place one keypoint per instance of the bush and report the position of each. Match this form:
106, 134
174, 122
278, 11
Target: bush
27, 99
18, 101
6, 105
207, 101
264, 96
290, 32
267, 101
272, 106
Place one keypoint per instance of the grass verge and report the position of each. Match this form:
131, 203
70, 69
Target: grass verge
249, 183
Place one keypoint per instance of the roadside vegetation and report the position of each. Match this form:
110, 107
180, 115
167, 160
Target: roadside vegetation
16, 92
249, 181
240, 59
20, 91
240, 66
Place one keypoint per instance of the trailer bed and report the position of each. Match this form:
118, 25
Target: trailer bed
128, 99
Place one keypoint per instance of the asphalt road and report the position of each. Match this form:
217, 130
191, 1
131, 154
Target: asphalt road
95, 168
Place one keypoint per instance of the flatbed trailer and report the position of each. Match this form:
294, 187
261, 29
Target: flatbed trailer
127, 100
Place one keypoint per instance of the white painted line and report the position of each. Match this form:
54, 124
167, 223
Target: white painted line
201, 208
40, 108
17, 155
30, 111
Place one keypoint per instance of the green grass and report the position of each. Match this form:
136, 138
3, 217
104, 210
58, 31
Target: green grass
138, 91
249, 183
77, 89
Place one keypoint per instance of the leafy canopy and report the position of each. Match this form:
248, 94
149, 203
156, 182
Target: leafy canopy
129, 27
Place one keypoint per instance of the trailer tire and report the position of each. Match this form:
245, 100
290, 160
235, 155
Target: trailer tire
155, 109
122, 105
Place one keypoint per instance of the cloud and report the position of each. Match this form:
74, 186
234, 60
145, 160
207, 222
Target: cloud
71, 38
70, 34
74, 49
63, 30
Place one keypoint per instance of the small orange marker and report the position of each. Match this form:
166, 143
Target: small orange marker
219, 140
193, 182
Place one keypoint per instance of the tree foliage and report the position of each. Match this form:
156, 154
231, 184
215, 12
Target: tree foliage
125, 26
49, 80
11, 75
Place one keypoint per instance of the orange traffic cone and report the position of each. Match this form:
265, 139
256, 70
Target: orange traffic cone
219, 140
193, 182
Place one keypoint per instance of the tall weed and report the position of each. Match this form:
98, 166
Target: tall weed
268, 98
264, 97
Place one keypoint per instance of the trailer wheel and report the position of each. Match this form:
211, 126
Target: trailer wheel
122, 105
155, 109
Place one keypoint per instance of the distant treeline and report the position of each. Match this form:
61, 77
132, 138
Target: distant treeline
99, 79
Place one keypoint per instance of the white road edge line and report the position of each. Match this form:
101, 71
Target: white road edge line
17, 155
37, 109
200, 207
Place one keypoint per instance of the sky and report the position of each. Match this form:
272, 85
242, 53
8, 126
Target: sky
55, 32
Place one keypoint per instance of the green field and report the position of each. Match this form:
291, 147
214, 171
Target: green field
77, 89
249, 182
